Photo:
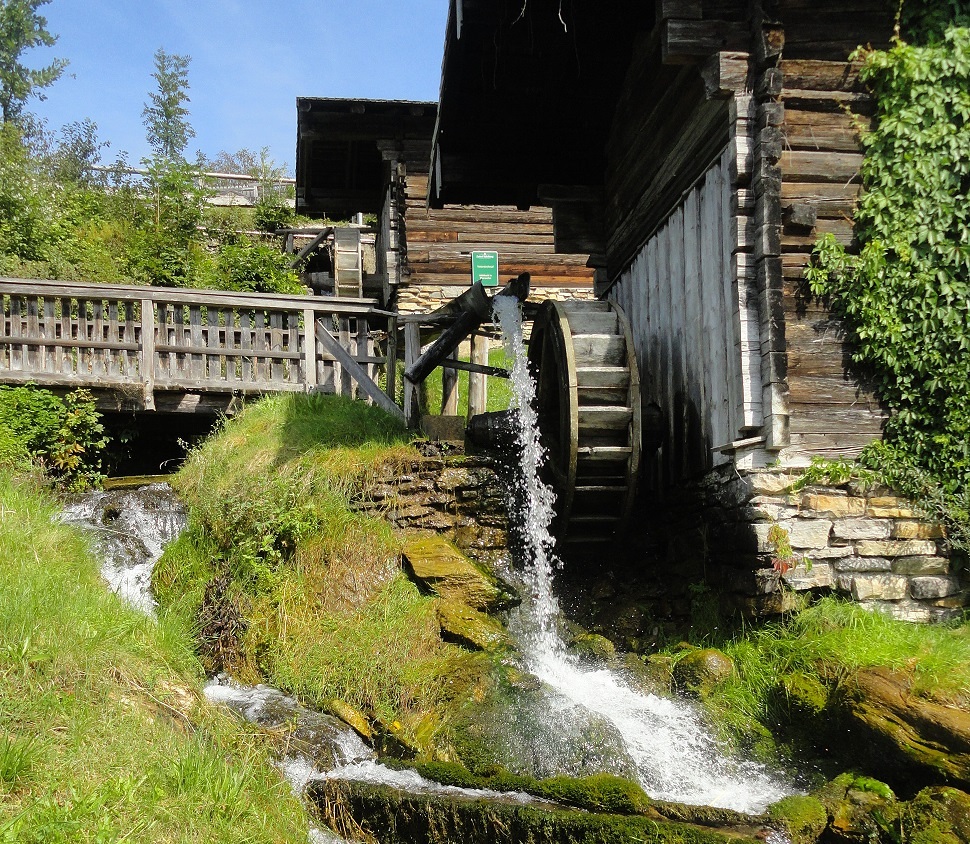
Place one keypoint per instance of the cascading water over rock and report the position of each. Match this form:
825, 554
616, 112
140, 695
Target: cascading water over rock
675, 756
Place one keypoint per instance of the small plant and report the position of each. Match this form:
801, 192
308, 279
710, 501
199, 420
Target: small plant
17, 755
782, 557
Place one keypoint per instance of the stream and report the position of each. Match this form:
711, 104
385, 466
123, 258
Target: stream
674, 756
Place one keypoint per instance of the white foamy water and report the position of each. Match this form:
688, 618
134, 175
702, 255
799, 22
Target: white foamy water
676, 757
130, 528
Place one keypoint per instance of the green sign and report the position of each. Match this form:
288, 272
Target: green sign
485, 268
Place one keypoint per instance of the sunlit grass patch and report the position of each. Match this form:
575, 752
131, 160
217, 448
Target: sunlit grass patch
103, 734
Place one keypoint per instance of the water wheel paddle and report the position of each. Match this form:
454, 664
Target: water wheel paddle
588, 403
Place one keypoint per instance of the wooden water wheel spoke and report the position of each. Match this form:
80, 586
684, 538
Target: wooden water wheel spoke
588, 403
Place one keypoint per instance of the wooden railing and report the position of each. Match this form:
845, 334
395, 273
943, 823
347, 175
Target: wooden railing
151, 339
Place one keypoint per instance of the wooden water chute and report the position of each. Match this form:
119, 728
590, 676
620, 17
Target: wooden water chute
588, 403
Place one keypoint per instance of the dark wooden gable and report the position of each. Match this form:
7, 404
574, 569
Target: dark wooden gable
339, 167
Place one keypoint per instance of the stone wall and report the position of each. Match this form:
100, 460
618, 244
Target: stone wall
423, 298
866, 544
459, 497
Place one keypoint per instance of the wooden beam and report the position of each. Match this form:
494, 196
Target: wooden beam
356, 371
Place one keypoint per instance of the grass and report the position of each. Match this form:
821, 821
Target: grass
102, 734
829, 641
310, 588
499, 389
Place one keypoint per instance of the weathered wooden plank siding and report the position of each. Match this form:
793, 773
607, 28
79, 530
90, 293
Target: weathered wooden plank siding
826, 110
685, 312
430, 247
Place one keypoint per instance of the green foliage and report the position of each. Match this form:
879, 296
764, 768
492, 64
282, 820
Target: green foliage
165, 116
272, 212
64, 435
926, 21
22, 28
255, 267
803, 817
103, 734
905, 295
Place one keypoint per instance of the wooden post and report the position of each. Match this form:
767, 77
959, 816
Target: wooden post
390, 365
449, 391
148, 352
412, 391
309, 349
477, 397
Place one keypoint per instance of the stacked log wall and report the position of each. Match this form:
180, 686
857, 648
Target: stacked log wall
434, 245
833, 411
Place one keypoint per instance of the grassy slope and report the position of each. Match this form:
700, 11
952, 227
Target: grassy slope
101, 735
825, 644
314, 589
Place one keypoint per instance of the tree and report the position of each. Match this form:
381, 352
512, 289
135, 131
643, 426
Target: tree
22, 28
165, 116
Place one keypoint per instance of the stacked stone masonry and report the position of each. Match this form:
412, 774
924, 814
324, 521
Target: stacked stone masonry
867, 544
424, 298
459, 497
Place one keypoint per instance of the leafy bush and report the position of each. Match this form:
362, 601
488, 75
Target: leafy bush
64, 435
905, 295
272, 213
254, 267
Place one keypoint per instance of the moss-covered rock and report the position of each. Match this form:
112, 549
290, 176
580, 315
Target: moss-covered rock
592, 648
395, 817
443, 570
937, 815
860, 809
702, 669
802, 816
911, 740
353, 718
471, 628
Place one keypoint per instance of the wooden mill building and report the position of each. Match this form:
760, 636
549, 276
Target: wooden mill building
372, 156
696, 149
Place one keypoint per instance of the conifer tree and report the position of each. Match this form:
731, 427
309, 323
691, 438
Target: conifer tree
22, 28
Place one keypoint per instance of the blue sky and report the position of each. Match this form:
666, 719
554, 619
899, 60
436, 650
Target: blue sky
251, 59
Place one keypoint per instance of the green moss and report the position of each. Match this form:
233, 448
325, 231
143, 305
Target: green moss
394, 817
937, 816
803, 817
596, 793
873, 786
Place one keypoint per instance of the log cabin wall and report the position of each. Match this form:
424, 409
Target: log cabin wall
428, 254
825, 109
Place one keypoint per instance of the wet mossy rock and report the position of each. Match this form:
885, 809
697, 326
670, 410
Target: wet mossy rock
937, 816
396, 817
592, 648
471, 628
443, 570
801, 816
860, 809
911, 740
702, 669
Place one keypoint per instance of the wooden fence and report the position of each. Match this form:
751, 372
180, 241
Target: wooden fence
152, 339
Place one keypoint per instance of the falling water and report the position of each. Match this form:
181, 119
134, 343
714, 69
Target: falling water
676, 758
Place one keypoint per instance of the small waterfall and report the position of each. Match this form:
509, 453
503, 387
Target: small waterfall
130, 528
675, 756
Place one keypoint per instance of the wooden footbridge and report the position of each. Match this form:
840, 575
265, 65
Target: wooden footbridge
162, 349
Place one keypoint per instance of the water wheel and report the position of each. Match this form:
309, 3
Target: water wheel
588, 403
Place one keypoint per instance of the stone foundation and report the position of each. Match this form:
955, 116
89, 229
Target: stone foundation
423, 298
459, 497
866, 544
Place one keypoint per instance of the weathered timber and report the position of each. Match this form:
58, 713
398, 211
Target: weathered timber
146, 340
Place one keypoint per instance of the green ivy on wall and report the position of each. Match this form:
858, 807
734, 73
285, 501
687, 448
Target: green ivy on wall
905, 296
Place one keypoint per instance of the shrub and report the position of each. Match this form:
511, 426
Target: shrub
64, 435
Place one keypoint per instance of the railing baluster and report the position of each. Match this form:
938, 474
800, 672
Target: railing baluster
147, 360
309, 350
